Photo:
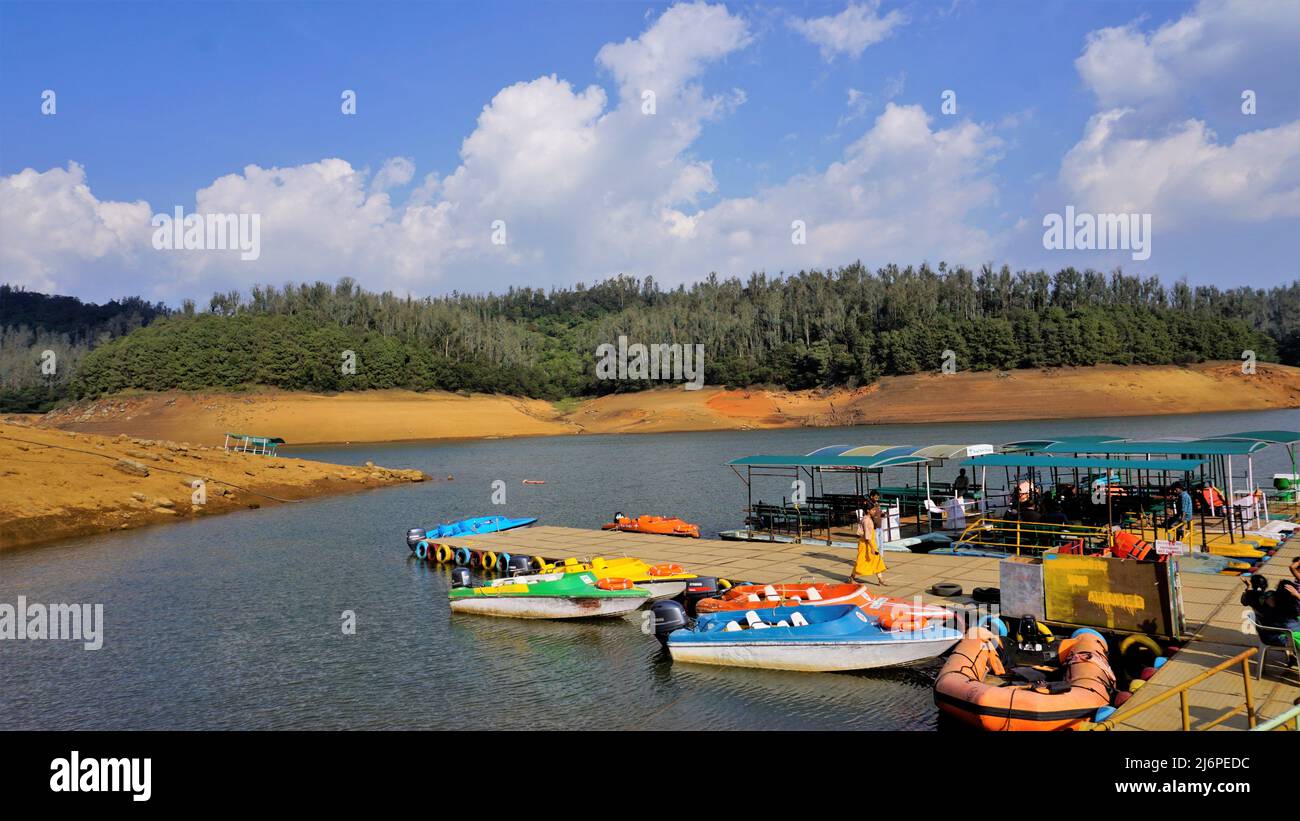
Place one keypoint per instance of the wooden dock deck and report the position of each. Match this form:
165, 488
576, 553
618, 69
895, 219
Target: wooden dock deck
1217, 635
1210, 601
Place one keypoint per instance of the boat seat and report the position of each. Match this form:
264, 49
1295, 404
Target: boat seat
798, 620
783, 623
770, 592
813, 595
752, 619
731, 627
753, 597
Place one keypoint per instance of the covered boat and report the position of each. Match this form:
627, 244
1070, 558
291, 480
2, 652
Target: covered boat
550, 596
889, 610
661, 581
662, 525
805, 638
969, 690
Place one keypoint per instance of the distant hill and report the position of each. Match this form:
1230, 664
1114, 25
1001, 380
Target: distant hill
819, 329
32, 323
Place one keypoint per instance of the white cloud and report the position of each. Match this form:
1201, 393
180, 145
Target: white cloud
53, 227
1144, 151
587, 188
1241, 42
1186, 176
394, 173
851, 31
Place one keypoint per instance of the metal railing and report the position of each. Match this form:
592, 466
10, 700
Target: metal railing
1280, 722
1241, 659
1015, 535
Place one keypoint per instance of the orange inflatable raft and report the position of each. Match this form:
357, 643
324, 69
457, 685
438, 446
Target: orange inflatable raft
963, 692
892, 612
662, 525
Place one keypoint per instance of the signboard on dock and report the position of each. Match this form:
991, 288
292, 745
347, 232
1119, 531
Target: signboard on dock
1116, 594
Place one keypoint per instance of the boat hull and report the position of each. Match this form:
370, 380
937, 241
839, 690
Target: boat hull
663, 590
547, 607
810, 657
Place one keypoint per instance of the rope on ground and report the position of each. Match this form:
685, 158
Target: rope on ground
154, 467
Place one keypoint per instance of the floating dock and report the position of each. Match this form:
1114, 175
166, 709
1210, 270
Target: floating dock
1212, 612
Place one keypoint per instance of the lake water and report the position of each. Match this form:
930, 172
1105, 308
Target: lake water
234, 622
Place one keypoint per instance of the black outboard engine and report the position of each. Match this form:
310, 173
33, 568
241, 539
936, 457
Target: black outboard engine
460, 577
701, 587
669, 616
413, 536
518, 566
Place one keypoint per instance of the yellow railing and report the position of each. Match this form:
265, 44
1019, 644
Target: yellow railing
1015, 535
1242, 659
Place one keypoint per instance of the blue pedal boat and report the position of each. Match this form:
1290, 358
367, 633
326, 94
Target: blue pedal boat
465, 527
808, 638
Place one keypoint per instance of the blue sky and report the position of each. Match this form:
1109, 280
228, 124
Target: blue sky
826, 113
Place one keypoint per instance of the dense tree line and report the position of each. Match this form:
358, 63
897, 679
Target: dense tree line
32, 324
843, 327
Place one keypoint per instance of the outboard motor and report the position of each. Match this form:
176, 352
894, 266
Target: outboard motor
701, 587
460, 577
413, 536
669, 616
518, 566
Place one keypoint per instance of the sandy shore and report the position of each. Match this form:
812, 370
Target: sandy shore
382, 416
57, 484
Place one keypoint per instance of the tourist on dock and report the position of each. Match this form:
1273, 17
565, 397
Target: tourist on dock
1286, 599
1181, 517
869, 560
873, 508
961, 485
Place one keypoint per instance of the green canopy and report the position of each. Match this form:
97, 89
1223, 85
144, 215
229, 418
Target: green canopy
1020, 460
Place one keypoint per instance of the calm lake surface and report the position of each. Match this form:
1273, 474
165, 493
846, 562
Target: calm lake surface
234, 622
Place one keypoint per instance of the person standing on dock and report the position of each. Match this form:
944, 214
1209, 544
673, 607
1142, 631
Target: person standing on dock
1181, 518
961, 484
869, 559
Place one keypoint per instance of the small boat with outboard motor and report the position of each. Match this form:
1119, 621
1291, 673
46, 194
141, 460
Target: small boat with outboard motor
547, 596
474, 526
975, 687
661, 581
806, 638
889, 610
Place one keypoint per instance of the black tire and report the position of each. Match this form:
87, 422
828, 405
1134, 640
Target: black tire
946, 589
988, 595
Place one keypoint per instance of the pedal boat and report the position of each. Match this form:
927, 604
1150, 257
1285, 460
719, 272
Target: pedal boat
805, 638
661, 525
661, 581
475, 526
966, 691
890, 611
550, 596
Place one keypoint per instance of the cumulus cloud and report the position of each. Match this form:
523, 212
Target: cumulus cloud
581, 185
1241, 42
851, 31
54, 227
1150, 147
1187, 175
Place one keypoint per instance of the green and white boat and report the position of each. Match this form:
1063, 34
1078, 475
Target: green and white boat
549, 596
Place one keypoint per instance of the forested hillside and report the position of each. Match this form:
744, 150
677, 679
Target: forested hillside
32, 323
843, 327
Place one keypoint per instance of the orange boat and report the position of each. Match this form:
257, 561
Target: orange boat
662, 525
963, 691
906, 615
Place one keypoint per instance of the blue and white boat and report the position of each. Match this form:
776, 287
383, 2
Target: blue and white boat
465, 527
807, 638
